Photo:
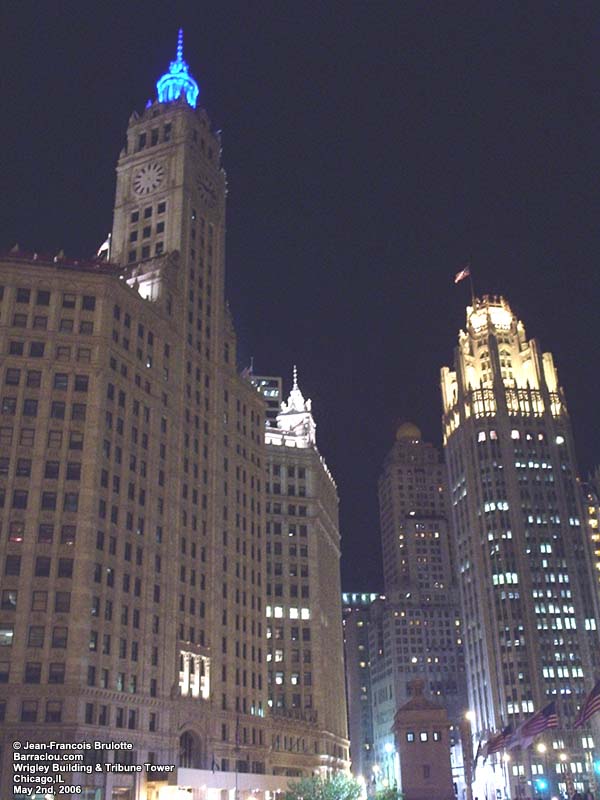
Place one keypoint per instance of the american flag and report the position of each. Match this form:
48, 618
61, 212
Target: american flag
464, 273
498, 742
546, 718
590, 707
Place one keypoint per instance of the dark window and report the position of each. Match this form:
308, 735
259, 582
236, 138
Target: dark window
29, 711
61, 381
65, 568
53, 711
68, 301
24, 468
161, 208
33, 672
12, 376
19, 498
36, 349
71, 501
52, 469
74, 470
45, 533
85, 327
56, 673
43, 298
34, 379
23, 295
78, 411
49, 501
76, 441
62, 602
30, 407
12, 565
16, 348
36, 636
135, 215
42, 567
59, 637
57, 410
88, 303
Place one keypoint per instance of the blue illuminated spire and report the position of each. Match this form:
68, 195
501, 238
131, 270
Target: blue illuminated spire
177, 80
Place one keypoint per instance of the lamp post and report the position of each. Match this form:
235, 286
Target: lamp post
543, 783
564, 760
466, 742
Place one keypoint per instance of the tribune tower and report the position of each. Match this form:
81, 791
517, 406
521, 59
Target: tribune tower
530, 622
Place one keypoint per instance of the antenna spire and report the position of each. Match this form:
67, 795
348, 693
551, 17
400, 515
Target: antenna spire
180, 45
295, 374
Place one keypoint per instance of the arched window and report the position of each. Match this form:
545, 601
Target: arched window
190, 751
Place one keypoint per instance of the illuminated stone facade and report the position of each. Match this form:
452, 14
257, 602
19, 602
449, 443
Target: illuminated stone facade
524, 563
305, 664
132, 493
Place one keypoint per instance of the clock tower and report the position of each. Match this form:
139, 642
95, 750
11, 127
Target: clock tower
169, 238
170, 193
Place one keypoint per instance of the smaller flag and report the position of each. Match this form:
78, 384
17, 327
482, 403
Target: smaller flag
590, 707
464, 273
498, 742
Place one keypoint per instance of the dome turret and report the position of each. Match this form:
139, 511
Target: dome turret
408, 431
177, 80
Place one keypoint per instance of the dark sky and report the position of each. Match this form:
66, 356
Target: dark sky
371, 149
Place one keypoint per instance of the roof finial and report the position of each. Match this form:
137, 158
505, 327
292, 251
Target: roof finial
178, 81
295, 386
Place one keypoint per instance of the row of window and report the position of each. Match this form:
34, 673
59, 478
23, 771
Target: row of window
24, 295
8, 407
146, 232
16, 533
36, 635
39, 600
42, 567
145, 252
33, 672
51, 470
60, 381
49, 500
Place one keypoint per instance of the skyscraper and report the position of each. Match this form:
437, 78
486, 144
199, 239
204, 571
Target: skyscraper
529, 613
358, 681
132, 487
416, 631
304, 652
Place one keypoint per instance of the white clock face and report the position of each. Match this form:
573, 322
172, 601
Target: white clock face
148, 178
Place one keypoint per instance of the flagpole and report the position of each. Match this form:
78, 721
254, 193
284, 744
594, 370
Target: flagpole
471, 284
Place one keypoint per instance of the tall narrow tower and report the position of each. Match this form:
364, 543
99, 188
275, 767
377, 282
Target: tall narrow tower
530, 621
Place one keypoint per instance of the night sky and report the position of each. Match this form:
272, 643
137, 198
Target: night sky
371, 149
